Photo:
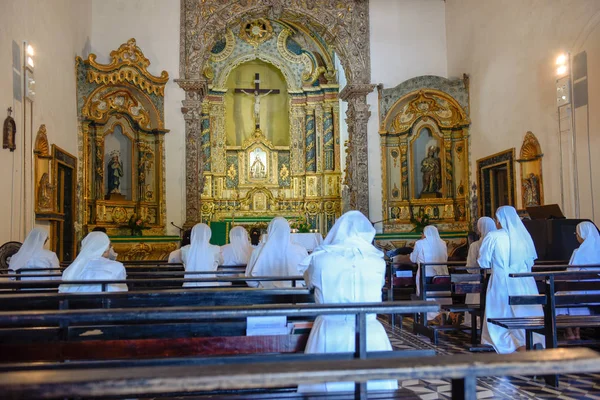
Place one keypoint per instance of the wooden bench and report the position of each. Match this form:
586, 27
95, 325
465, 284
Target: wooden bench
163, 332
455, 284
159, 283
553, 282
177, 379
223, 296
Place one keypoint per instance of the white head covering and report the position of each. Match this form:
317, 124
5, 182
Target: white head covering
200, 256
277, 256
32, 247
93, 247
352, 234
589, 251
433, 239
239, 249
521, 244
485, 225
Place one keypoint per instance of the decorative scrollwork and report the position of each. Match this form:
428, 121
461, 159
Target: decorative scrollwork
128, 64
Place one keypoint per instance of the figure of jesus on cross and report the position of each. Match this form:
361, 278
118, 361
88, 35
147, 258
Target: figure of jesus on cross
258, 94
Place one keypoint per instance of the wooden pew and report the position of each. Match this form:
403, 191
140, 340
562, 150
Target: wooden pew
163, 332
464, 369
446, 291
159, 283
223, 296
547, 325
574, 282
460, 285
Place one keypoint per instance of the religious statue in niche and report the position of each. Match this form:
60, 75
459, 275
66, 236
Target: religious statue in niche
531, 191
45, 191
9, 132
431, 167
258, 169
115, 173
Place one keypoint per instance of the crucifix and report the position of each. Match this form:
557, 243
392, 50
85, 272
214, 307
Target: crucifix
258, 93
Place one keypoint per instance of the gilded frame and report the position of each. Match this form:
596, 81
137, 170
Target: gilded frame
486, 164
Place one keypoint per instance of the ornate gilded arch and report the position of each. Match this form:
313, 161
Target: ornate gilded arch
342, 24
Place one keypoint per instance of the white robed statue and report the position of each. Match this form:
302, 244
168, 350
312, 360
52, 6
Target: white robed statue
346, 268
277, 256
200, 255
508, 250
92, 264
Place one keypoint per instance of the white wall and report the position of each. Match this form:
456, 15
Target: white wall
58, 30
155, 26
408, 39
509, 50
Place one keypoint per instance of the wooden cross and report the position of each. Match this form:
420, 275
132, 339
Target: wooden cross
258, 93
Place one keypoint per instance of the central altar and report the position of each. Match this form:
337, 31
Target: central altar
269, 128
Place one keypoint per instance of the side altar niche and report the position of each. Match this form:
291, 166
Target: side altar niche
424, 131
121, 142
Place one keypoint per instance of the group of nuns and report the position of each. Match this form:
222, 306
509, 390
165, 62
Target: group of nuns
93, 262
347, 268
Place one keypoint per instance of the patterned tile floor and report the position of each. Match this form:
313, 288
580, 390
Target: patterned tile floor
575, 387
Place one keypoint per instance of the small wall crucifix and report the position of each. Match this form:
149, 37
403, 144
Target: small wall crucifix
258, 93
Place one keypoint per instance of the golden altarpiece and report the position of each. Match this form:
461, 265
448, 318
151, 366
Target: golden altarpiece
269, 127
425, 159
121, 144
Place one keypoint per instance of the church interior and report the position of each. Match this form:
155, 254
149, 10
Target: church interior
142, 119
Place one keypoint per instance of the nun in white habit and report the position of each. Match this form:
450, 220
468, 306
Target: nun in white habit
588, 253
200, 255
92, 264
346, 268
485, 225
508, 250
33, 255
239, 250
430, 249
277, 256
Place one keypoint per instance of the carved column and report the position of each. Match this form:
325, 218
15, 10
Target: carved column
404, 169
205, 137
328, 141
195, 90
311, 151
99, 165
357, 170
449, 176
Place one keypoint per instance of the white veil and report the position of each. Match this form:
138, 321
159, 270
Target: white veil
351, 235
92, 248
589, 251
33, 246
277, 255
521, 244
239, 249
485, 225
199, 256
434, 241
